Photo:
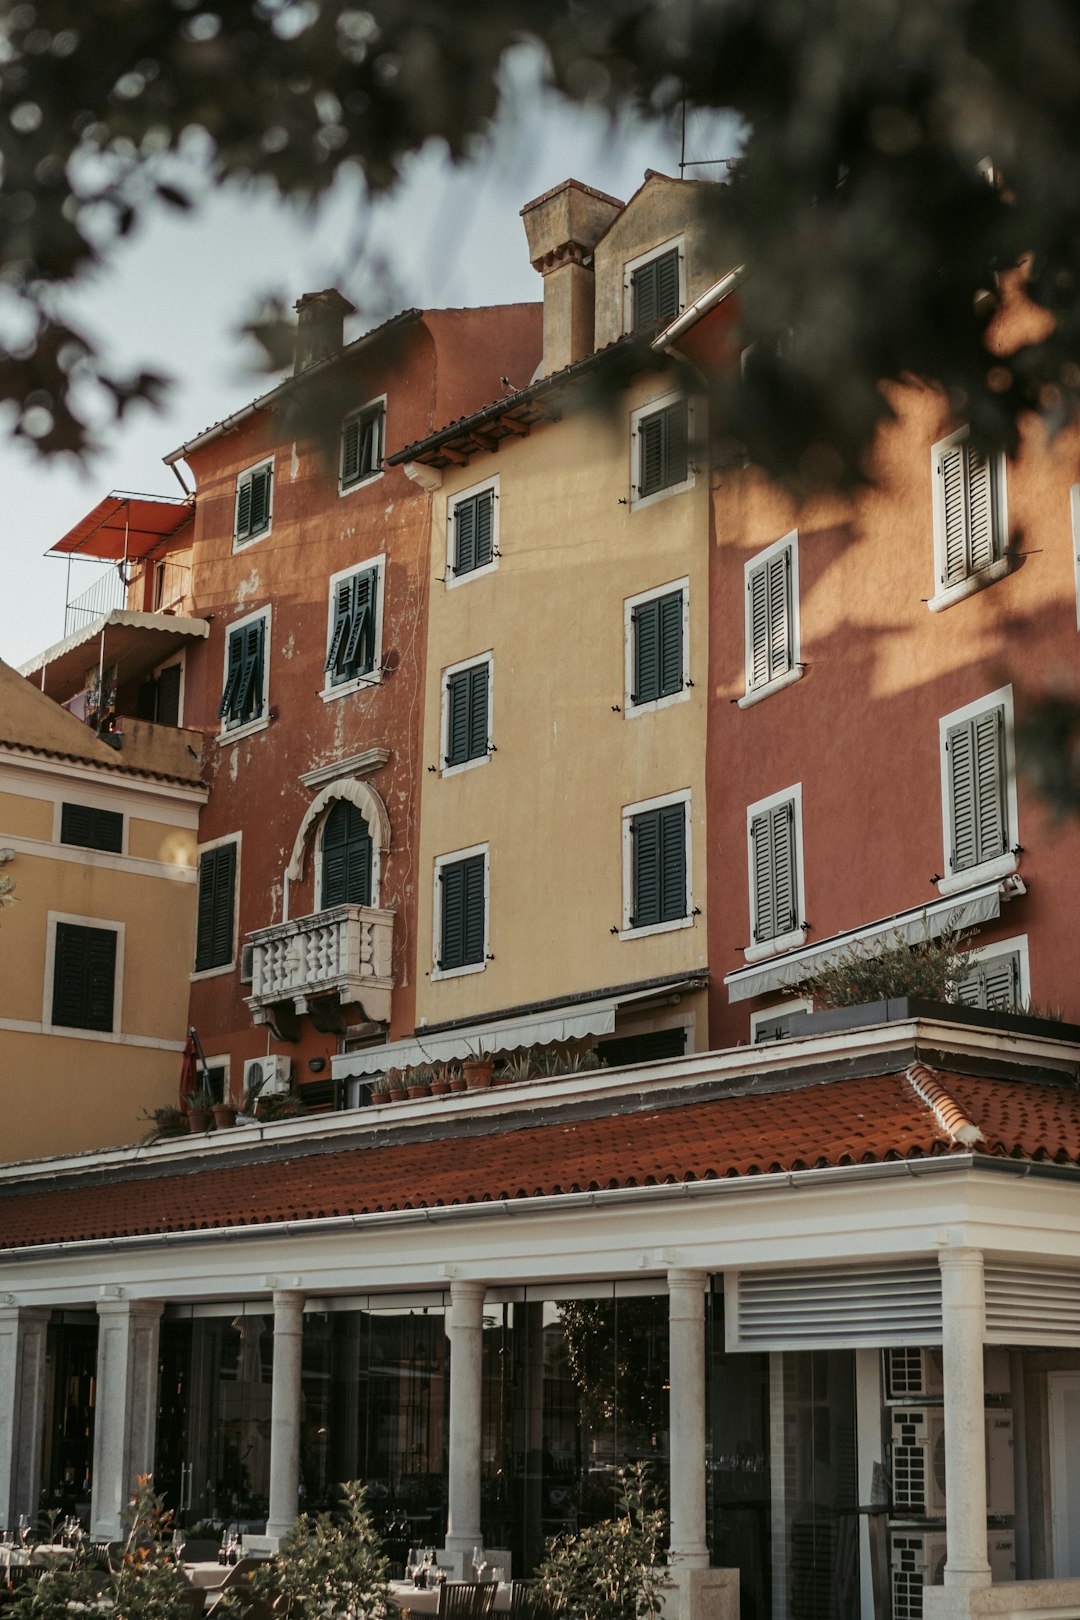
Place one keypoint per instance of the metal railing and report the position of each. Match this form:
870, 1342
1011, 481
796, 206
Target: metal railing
106, 593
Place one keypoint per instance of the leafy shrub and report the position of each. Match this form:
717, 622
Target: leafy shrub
328, 1566
932, 969
611, 1570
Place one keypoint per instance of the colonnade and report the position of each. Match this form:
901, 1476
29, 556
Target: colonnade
127, 1398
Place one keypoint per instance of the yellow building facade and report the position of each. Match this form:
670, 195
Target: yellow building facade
547, 799
99, 843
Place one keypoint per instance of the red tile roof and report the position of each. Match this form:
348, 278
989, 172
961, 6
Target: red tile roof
832, 1123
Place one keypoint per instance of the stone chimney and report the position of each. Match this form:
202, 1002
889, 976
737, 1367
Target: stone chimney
320, 327
562, 228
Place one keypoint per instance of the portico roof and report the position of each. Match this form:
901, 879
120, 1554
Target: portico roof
456, 1159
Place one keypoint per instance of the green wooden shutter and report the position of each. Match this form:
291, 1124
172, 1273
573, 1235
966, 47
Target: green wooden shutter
478, 711
84, 977
662, 449
485, 527
260, 499
346, 857
654, 290
339, 629
168, 696
462, 932
350, 451
249, 692
227, 709
671, 643
243, 507
358, 653
645, 627
215, 909
671, 820
978, 814
645, 839
91, 828
360, 446
667, 285
465, 536
457, 718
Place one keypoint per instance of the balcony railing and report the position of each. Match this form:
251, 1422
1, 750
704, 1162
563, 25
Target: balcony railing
107, 592
345, 952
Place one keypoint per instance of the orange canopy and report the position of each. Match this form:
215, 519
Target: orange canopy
124, 525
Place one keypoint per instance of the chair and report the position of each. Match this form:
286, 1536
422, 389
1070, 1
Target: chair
529, 1601
466, 1600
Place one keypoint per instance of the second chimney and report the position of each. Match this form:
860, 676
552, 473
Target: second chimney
320, 327
562, 228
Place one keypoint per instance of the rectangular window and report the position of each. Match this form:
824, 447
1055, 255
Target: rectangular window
254, 500
352, 645
774, 1023
774, 837
244, 697
472, 520
159, 697
772, 618
654, 290
978, 804
969, 511
84, 977
994, 983
656, 628
362, 445
216, 908
467, 714
462, 913
658, 868
91, 828
662, 455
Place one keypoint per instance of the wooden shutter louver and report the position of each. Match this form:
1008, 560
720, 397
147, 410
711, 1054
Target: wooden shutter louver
657, 630
771, 619
249, 691
467, 715
216, 907
462, 907
233, 666
773, 857
346, 857
361, 446
654, 290
84, 977
253, 502
970, 540
976, 773
994, 985
658, 866
662, 449
88, 827
474, 532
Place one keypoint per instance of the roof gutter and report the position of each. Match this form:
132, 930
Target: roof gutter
709, 299
264, 401
553, 1203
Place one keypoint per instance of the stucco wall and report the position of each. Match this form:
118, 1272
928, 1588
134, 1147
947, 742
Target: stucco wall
660, 212
549, 801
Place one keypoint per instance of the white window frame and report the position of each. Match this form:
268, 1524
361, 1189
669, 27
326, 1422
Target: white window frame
676, 242
231, 734
779, 1009
946, 595
197, 975
487, 658
109, 924
754, 694
222, 1061
316, 851
453, 580
629, 811
253, 539
1002, 865
639, 502
630, 709
797, 936
436, 921
1074, 513
980, 955
378, 404
358, 683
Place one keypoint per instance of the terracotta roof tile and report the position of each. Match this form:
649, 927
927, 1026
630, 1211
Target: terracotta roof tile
836, 1122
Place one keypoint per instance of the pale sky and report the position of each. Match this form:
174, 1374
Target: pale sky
174, 299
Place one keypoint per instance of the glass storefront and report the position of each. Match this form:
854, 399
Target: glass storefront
573, 1389
68, 1432
213, 1434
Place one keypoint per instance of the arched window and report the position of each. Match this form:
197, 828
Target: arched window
346, 857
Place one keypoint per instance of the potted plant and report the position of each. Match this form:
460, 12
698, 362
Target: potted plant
165, 1122
224, 1113
200, 1105
379, 1090
440, 1079
418, 1080
457, 1079
516, 1068
478, 1068
396, 1084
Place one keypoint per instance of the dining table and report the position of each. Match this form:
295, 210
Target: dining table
425, 1600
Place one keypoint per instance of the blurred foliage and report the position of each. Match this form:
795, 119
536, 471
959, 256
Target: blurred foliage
612, 1570
930, 968
858, 207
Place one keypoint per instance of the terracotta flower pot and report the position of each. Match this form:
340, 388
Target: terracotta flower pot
224, 1116
479, 1073
198, 1120
441, 1086
458, 1081
397, 1093
420, 1090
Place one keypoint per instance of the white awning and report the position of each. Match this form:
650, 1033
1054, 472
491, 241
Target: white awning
567, 1023
925, 922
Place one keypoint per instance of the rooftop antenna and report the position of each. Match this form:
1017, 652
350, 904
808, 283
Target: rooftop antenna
682, 142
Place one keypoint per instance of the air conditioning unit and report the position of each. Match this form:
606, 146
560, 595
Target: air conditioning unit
917, 1559
918, 1462
911, 1373
268, 1075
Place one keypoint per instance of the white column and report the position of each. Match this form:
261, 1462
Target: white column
963, 1317
686, 1331
285, 1411
466, 1379
22, 1397
125, 1409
